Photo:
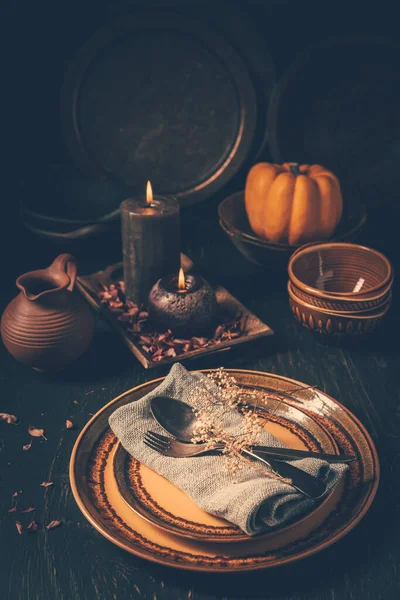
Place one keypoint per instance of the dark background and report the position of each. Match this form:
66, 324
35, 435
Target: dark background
39, 39
74, 562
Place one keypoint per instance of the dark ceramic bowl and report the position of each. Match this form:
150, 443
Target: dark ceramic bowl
331, 324
340, 271
234, 222
259, 253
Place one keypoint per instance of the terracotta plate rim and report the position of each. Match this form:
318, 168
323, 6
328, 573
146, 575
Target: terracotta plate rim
251, 567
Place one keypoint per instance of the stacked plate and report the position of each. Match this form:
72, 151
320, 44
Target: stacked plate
339, 289
146, 515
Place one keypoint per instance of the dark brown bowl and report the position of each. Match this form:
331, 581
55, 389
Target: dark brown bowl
232, 214
259, 254
333, 324
338, 271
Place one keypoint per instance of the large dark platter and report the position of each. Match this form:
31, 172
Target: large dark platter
160, 96
337, 105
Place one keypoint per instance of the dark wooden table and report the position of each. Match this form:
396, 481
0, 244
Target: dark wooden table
74, 562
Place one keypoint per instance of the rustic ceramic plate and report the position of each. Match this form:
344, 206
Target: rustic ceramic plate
90, 285
96, 492
158, 501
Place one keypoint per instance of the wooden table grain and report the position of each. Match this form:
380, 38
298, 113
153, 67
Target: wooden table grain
73, 562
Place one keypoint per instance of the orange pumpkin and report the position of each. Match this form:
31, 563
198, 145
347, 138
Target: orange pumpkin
292, 203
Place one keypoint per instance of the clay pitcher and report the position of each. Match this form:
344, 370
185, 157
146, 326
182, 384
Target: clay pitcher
48, 325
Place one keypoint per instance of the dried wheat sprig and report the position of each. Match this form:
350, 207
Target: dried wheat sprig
210, 405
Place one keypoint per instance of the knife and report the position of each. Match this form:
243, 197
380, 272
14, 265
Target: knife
311, 486
293, 454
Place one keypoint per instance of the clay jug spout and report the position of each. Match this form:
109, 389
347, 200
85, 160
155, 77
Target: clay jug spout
60, 275
37, 284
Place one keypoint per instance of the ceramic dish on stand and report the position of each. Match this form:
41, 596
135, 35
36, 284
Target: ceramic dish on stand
234, 222
97, 494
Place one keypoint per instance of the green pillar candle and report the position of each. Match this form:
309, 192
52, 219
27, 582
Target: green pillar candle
150, 242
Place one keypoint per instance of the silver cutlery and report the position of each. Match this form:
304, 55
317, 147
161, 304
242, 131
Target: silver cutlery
301, 480
178, 419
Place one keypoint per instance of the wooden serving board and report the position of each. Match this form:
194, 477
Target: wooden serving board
90, 285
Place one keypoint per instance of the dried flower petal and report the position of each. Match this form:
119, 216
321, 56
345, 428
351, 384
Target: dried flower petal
199, 342
35, 432
15, 494
32, 527
10, 419
170, 352
19, 527
27, 446
157, 358
13, 509
28, 510
130, 304
75, 402
124, 317
115, 305
90, 392
164, 336
105, 297
46, 484
121, 285
53, 524
114, 295
69, 424
158, 352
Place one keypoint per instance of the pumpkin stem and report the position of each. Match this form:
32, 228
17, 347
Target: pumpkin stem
294, 168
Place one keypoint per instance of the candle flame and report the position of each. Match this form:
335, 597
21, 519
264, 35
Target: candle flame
181, 280
149, 193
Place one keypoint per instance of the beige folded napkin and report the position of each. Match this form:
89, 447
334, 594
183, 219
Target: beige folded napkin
249, 498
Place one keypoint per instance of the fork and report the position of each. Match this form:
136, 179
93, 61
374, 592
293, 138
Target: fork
174, 448
178, 449
301, 480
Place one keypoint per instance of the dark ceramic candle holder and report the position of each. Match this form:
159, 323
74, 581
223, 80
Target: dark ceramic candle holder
187, 312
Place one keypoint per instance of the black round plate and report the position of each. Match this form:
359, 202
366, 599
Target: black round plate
337, 105
160, 96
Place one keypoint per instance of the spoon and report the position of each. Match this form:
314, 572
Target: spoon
178, 419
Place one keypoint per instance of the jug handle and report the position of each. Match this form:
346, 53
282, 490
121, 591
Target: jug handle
66, 263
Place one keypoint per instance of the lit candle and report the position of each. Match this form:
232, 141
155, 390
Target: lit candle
185, 304
150, 240
181, 282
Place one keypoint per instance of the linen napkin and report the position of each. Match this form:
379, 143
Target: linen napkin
249, 499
